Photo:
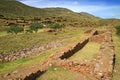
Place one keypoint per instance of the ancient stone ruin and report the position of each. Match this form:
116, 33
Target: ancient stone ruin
100, 67
32, 51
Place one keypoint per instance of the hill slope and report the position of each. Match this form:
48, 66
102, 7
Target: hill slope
16, 9
13, 9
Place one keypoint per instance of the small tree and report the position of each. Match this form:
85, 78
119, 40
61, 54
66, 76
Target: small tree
36, 26
14, 29
55, 26
117, 30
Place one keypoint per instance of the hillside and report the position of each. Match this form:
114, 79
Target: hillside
14, 9
11, 10
109, 22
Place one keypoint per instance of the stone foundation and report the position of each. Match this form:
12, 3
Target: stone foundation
104, 62
20, 54
100, 68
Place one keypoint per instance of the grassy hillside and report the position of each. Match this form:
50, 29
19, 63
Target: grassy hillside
15, 9
109, 22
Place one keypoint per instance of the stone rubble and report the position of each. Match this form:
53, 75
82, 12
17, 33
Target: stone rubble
16, 55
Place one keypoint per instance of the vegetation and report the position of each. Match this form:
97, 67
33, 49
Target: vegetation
36, 26
19, 10
21, 41
55, 26
23, 63
116, 74
57, 73
2, 27
14, 29
69, 37
117, 30
88, 52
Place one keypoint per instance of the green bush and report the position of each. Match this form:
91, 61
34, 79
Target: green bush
14, 29
55, 26
117, 30
36, 26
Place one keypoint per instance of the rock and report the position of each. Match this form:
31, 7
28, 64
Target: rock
6, 75
50, 64
14, 72
55, 69
100, 74
97, 68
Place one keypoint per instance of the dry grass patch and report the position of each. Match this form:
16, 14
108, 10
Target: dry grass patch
87, 52
116, 74
58, 73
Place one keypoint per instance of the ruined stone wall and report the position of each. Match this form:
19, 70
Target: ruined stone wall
72, 49
83, 67
30, 73
100, 67
98, 38
16, 55
104, 62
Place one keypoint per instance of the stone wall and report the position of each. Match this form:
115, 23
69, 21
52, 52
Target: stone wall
98, 38
16, 55
73, 48
83, 67
104, 62
100, 68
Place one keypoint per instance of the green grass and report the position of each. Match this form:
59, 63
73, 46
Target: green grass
116, 74
87, 52
57, 73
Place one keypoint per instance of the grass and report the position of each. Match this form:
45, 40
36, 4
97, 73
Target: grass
57, 73
21, 64
87, 52
116, 74
3, 33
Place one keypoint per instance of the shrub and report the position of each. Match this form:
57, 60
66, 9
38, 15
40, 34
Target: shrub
117, 30
36, 26
55, 26
14, 29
